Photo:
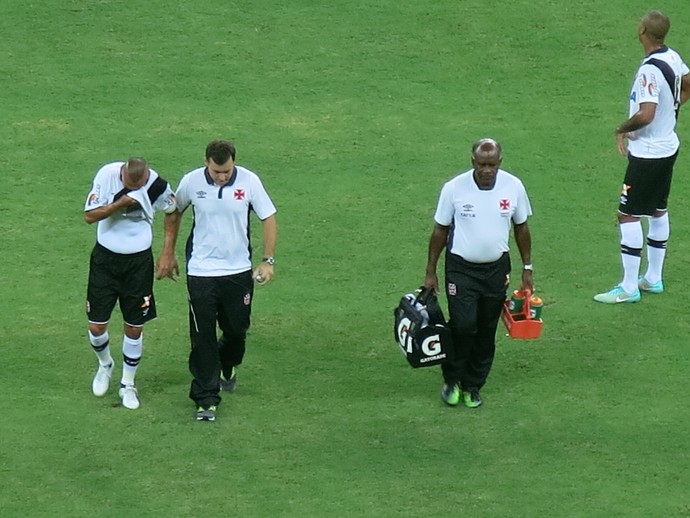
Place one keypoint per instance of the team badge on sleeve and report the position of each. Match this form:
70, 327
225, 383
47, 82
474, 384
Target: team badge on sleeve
94, 196
652, 87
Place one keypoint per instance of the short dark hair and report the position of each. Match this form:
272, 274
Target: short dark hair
135, 168
657, 25
220, 151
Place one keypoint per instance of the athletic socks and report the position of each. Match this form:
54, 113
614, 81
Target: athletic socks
101, 346
631, 252
131, 354
657, 238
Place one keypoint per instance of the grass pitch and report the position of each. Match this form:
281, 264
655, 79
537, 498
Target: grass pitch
354, 113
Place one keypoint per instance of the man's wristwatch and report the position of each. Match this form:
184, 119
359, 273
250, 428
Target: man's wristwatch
269, 260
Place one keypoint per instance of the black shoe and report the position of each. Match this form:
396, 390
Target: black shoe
230, 384
206, 414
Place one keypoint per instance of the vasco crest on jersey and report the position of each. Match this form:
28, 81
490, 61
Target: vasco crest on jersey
504, 207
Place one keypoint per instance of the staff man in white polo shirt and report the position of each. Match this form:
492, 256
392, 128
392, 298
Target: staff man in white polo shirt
475, 213
662, 84
122, 200
220, 280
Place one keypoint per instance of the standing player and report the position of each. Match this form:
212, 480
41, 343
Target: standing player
475, 213
122, 200
661, 85
219, 267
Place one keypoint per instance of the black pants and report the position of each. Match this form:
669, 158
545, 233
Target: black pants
227, 302
476, 293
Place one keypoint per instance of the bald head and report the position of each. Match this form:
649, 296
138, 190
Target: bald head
656, 25
135, 173
485, 147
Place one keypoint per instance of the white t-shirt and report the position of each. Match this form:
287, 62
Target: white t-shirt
220, 238
129, 231
658, 139
481, 220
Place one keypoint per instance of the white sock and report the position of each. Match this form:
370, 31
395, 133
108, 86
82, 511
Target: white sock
131, 354
101, 346
657, 237
631, 251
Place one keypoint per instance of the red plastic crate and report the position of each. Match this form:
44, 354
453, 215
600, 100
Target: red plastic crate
522, 325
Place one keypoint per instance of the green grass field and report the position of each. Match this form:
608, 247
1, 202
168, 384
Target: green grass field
354, 113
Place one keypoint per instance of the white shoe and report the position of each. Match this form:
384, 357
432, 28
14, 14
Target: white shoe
101, 381
129, 397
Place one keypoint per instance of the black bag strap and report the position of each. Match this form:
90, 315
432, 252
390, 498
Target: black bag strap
428, 298
411, 312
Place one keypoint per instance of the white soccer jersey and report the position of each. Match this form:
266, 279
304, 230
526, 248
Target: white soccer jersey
130, 231
658, 139
481, 220
219, 243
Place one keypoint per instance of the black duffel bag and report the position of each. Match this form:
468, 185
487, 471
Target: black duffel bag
420, 330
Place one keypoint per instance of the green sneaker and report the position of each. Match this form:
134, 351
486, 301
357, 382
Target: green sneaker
645, 285
450, 395
206, 414
471, 398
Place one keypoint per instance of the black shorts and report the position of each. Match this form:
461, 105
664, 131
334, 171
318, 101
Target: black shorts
124, 277
647, 185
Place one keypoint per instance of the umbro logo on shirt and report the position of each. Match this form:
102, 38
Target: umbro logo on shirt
201, 194
468, 211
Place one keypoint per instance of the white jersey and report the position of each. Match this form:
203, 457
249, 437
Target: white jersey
129, 231
657, 81
219, 243
481, 220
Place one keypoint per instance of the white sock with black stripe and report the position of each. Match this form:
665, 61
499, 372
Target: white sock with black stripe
657, 238
631, 253
101, 346
131, 354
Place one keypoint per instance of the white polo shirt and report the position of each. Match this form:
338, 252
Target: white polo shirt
219, 243
658, 139
129, 231
480, 220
